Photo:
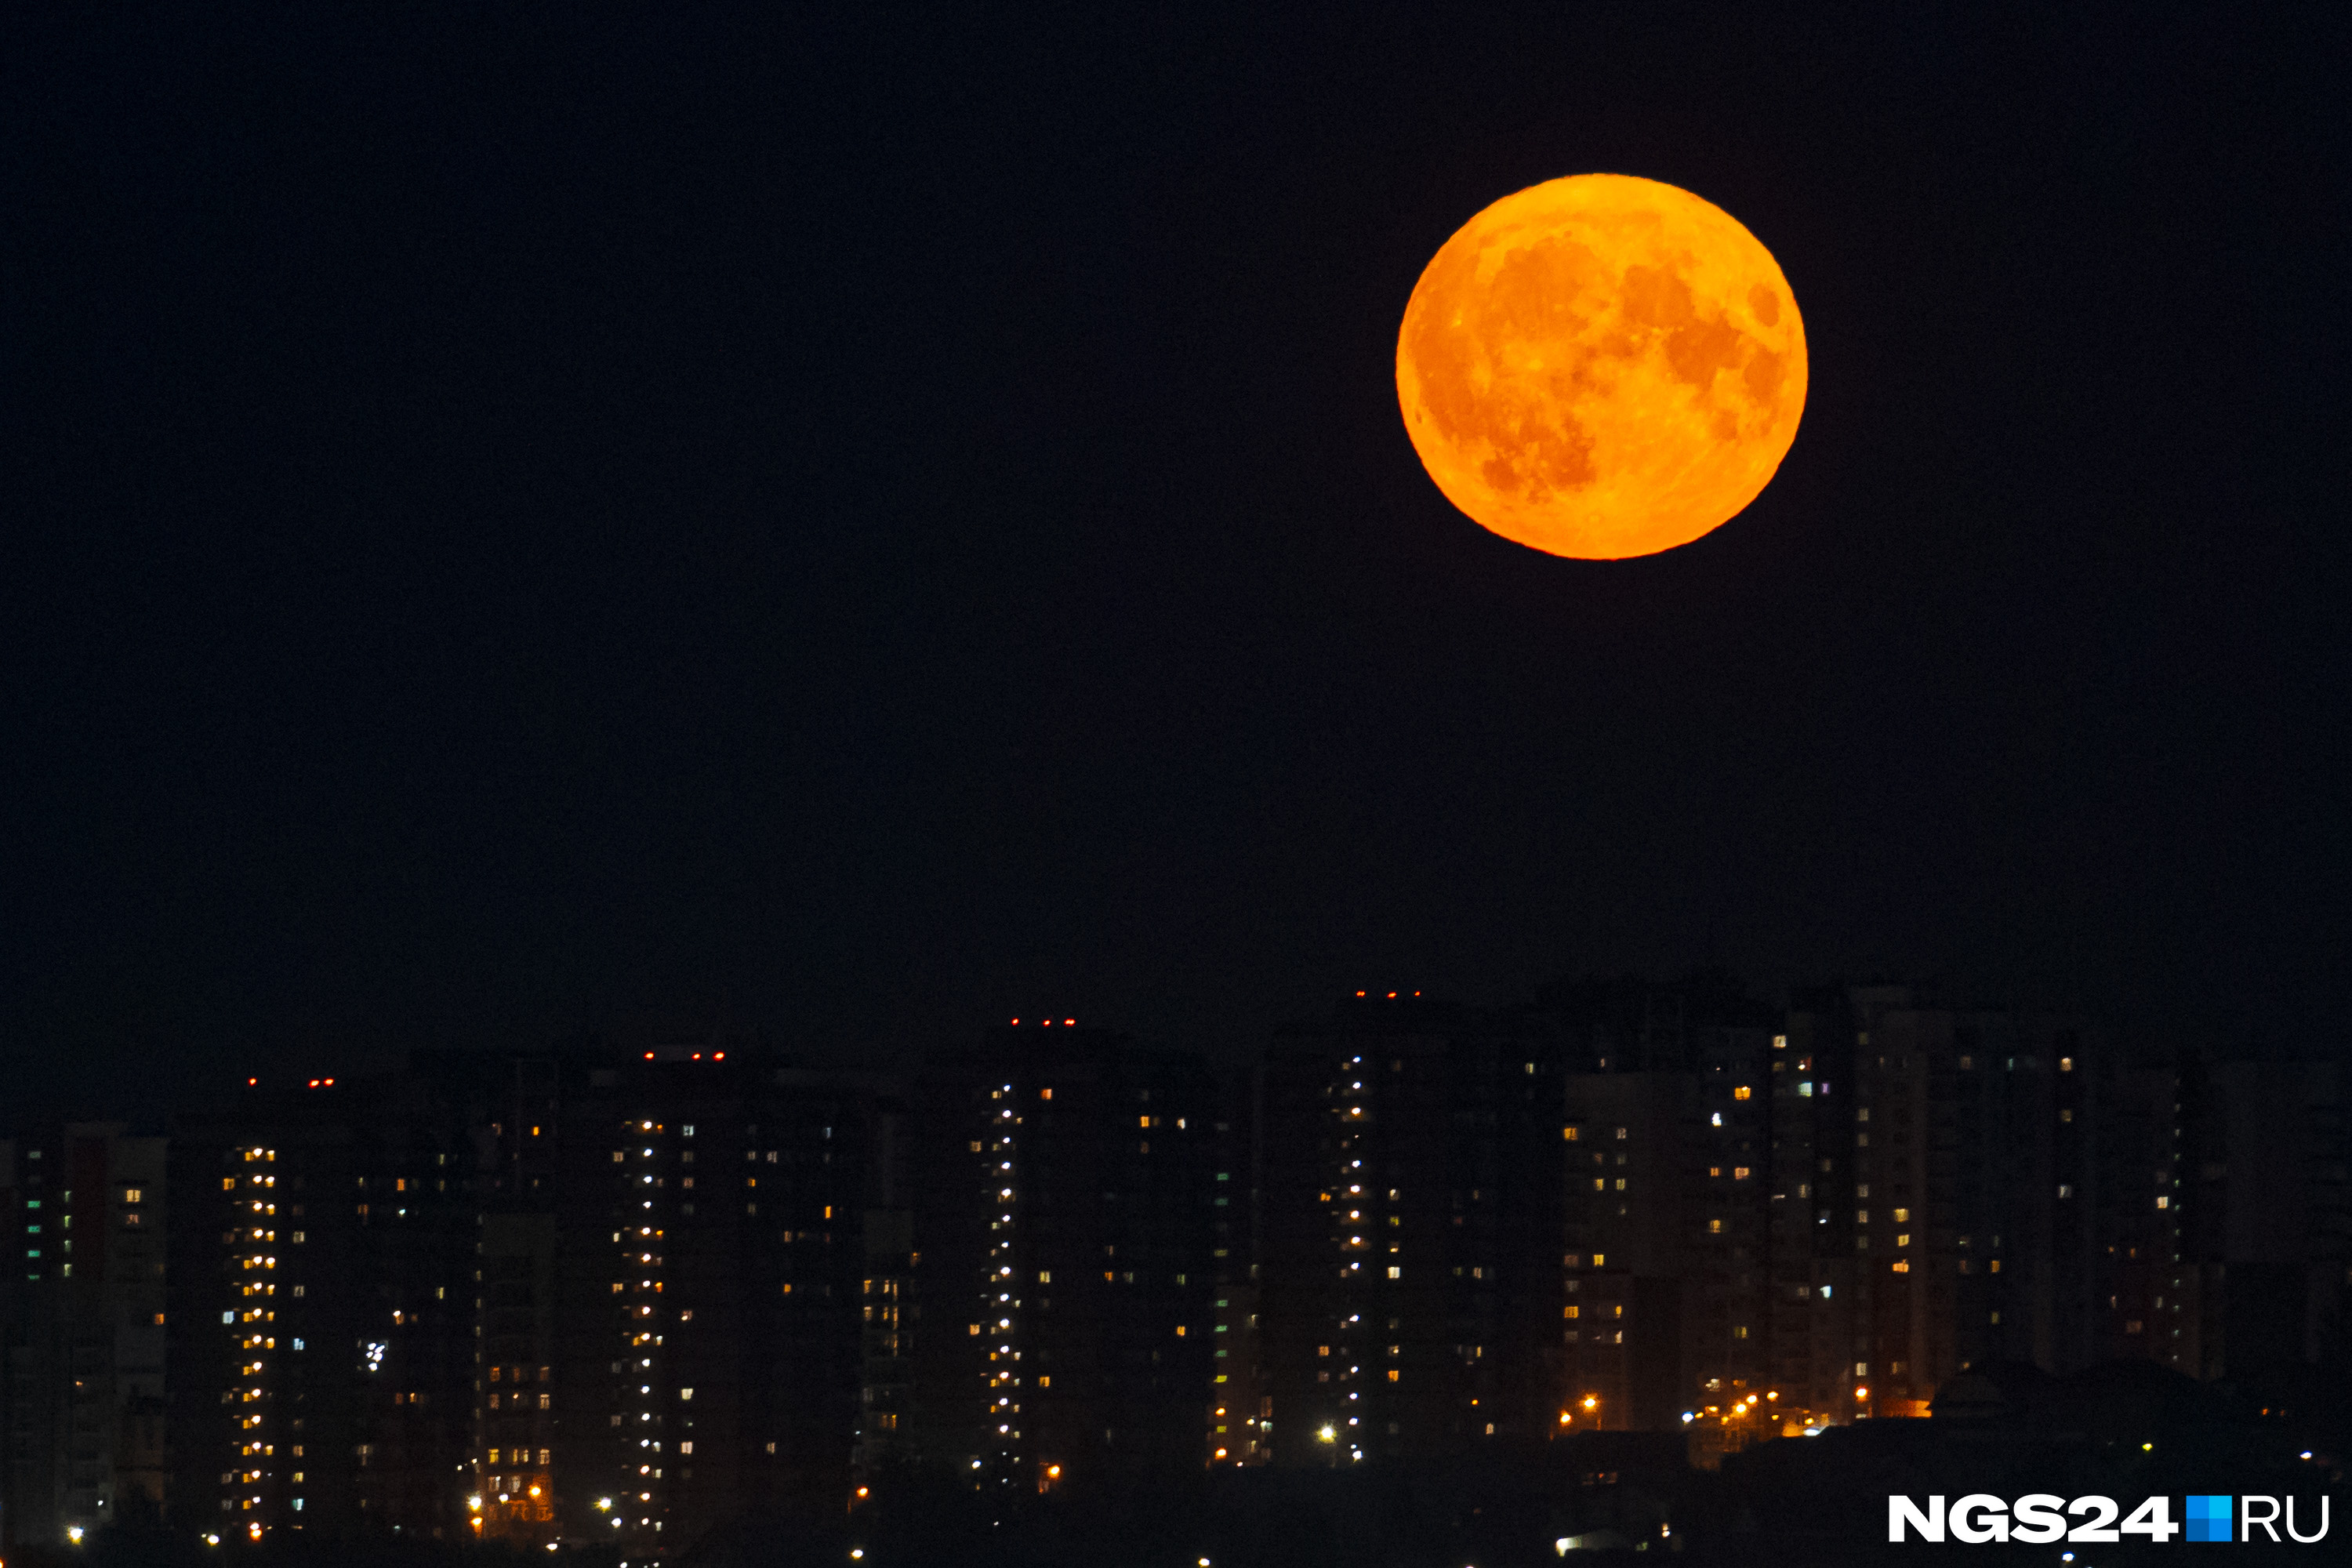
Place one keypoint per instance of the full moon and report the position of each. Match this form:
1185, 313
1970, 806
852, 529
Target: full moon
1602, 366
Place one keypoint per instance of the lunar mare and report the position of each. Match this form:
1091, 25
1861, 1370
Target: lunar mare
1602, 366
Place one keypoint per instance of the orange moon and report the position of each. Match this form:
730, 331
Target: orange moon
1602, 366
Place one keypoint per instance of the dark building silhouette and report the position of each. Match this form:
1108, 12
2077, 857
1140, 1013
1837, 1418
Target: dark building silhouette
1241, 1411
1667, 1135
1412, 1287
649, 1301
1064, 1197
82, 1310
321, 1282
1672, 1207
539, 1300
677, 1342
887, 1313
2265, 1219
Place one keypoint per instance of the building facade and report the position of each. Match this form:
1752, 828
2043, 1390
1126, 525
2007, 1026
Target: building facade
322, 1316
1063, 1188
83, 1325
1410, 1281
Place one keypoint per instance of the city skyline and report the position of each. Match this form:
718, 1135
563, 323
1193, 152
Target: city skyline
616, 1299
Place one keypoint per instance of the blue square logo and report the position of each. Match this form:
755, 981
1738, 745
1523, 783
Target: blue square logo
2209, 1518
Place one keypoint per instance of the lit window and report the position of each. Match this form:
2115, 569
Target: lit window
1902, 1215
1742, 1092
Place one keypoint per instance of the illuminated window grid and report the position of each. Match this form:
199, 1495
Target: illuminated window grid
639, 1497
998, 1322
250, 1322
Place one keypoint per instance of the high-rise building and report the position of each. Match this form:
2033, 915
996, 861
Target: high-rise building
1667, 1136
703, 1245
81, 1330
1240, 1411
1412, 1287
322, 1319
1063, 1206
2264, 1220
1673, 1207
547, 1300
885, 1293
1939, 1180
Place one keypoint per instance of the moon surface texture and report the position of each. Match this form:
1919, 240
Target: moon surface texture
1602, 366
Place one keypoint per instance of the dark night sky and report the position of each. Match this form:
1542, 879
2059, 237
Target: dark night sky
860, 522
